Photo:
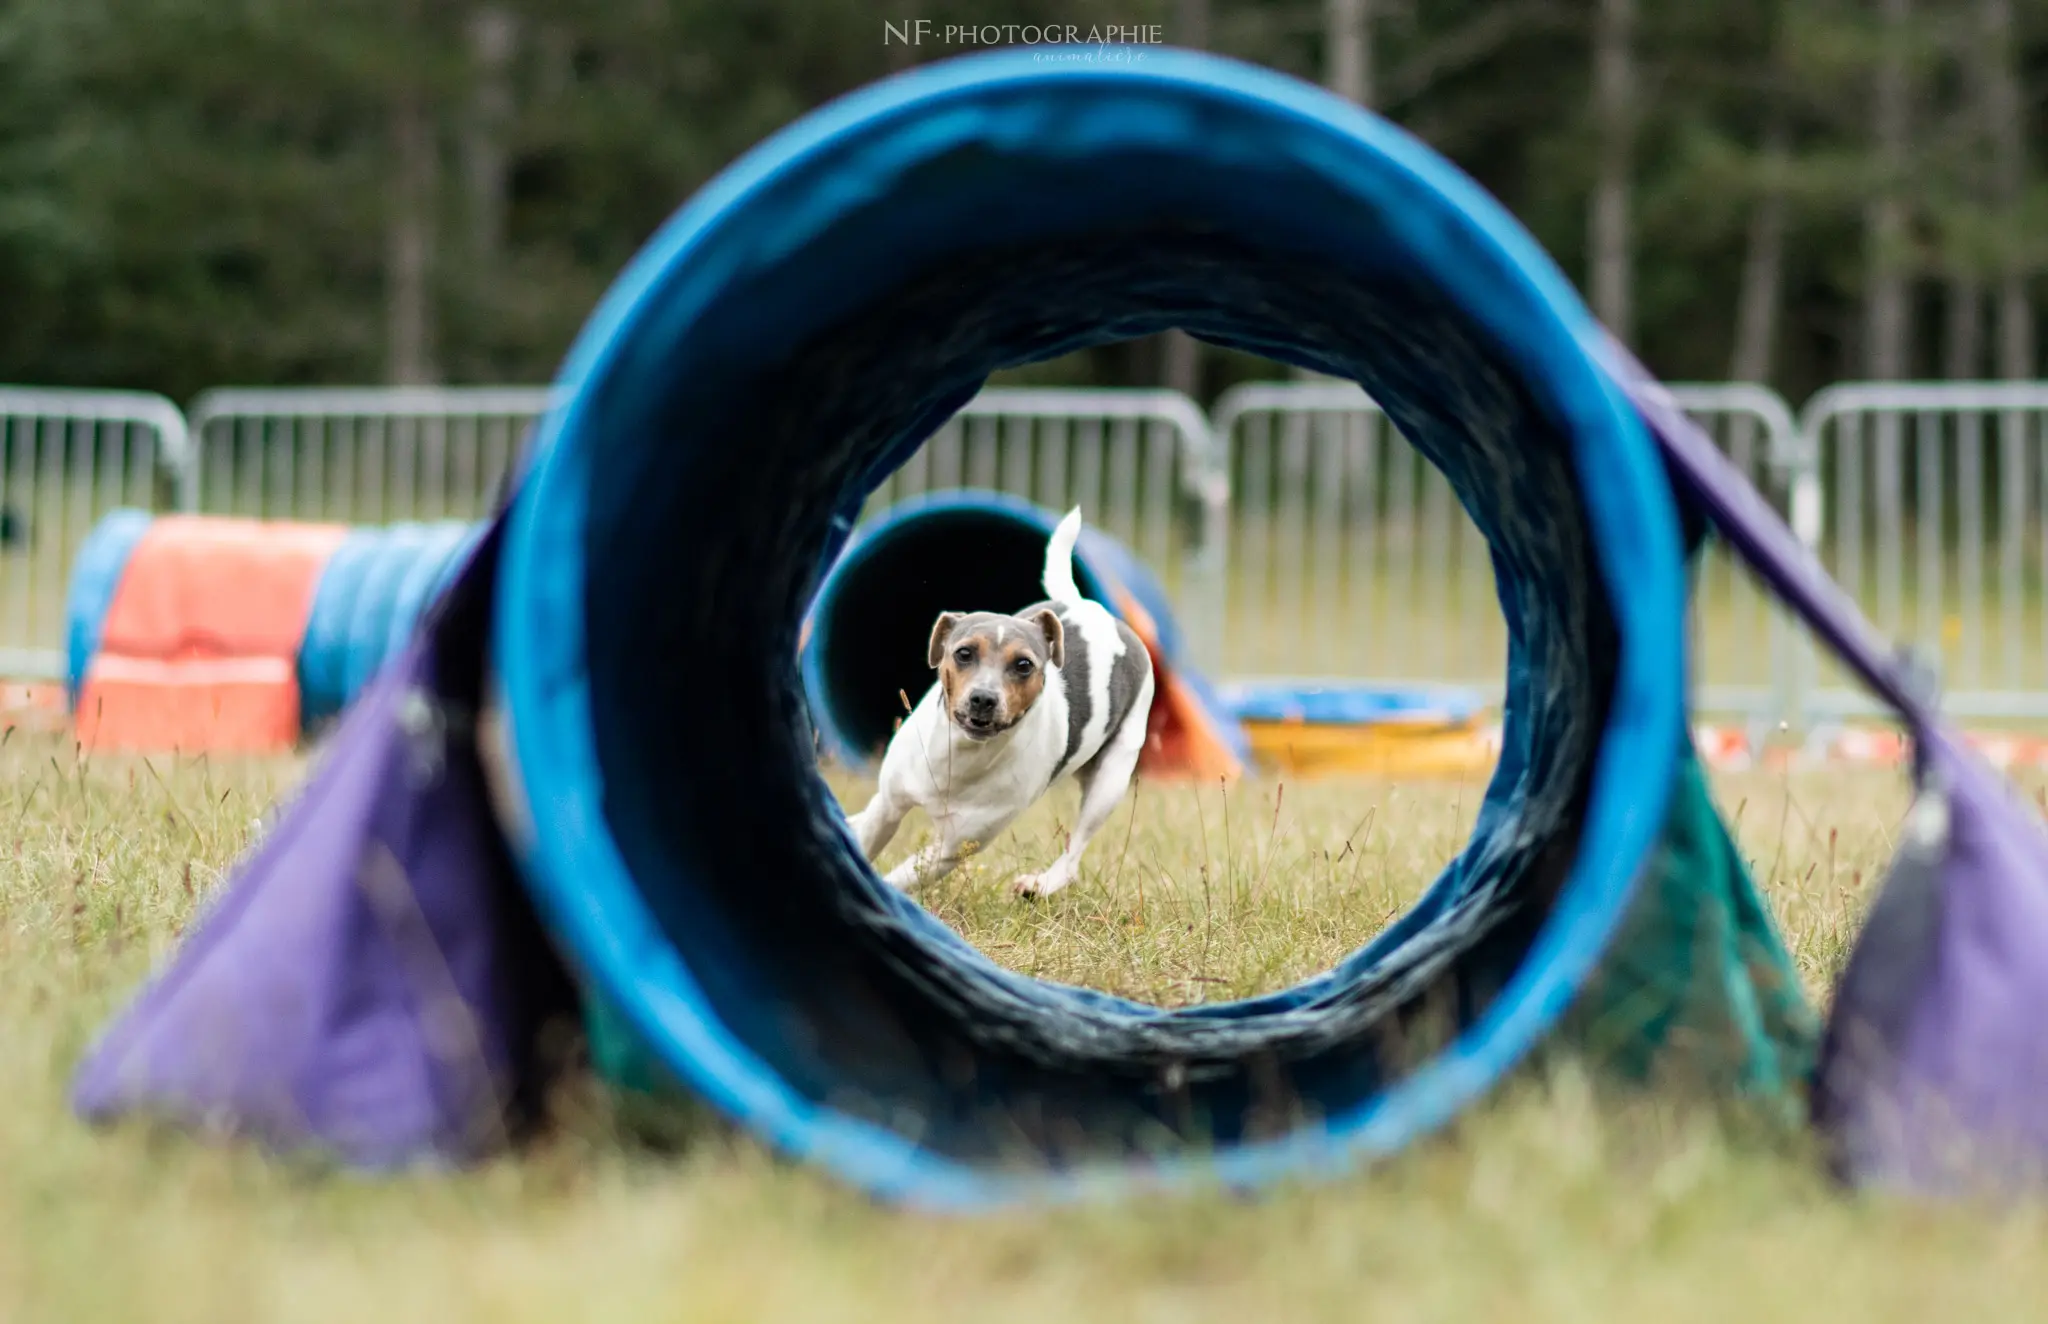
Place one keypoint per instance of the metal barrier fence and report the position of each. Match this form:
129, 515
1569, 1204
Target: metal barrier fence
1350, 555
1298, 534
1933, 520
1137, 461
67, 458
359, 456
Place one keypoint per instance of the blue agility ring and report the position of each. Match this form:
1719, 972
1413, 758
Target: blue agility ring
791, 335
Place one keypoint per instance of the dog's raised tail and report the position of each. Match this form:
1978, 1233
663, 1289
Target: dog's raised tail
1059, 560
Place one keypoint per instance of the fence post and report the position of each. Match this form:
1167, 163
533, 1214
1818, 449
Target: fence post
1210, 563
1756, 405
1809, 521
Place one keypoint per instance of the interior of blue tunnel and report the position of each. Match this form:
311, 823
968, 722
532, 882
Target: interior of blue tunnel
816, 970
750, 382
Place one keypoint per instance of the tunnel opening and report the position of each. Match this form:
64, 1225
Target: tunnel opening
889, 1032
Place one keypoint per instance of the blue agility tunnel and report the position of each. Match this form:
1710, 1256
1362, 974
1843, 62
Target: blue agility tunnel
787, 340
781, 345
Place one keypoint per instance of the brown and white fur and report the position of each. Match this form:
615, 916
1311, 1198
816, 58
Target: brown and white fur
1021, 701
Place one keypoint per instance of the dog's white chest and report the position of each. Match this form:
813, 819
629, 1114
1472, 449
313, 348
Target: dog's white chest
950, 774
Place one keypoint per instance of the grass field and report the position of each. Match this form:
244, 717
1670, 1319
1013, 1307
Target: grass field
1554, 1202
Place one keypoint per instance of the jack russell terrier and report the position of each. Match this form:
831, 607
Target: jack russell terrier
1021, 701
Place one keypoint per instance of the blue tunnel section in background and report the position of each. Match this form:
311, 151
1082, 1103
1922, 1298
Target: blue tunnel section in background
799, 329
377, 585
1345, 703
323, 654
95, 574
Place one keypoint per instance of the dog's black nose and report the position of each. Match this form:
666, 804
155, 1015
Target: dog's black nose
981, 705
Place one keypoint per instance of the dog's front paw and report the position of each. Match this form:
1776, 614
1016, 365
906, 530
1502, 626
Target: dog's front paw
1041, 884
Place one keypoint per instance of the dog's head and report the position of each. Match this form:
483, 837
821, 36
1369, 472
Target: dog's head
992, 667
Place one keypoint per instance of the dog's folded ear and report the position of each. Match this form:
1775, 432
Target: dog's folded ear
936, 650
1055, 632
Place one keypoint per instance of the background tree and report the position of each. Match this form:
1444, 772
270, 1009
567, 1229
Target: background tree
205, 192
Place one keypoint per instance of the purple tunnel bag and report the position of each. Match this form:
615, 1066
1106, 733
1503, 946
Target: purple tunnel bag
371, 985
1933, 1072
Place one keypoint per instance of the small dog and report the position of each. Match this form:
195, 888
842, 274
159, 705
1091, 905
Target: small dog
1021, 701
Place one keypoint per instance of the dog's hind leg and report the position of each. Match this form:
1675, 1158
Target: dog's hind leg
1103, 782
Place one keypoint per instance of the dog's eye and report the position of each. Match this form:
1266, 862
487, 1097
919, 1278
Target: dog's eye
964, 656
1022, 666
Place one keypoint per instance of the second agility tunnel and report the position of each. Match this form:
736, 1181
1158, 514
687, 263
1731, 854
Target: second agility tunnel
864, 639
784, 342
195, 633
